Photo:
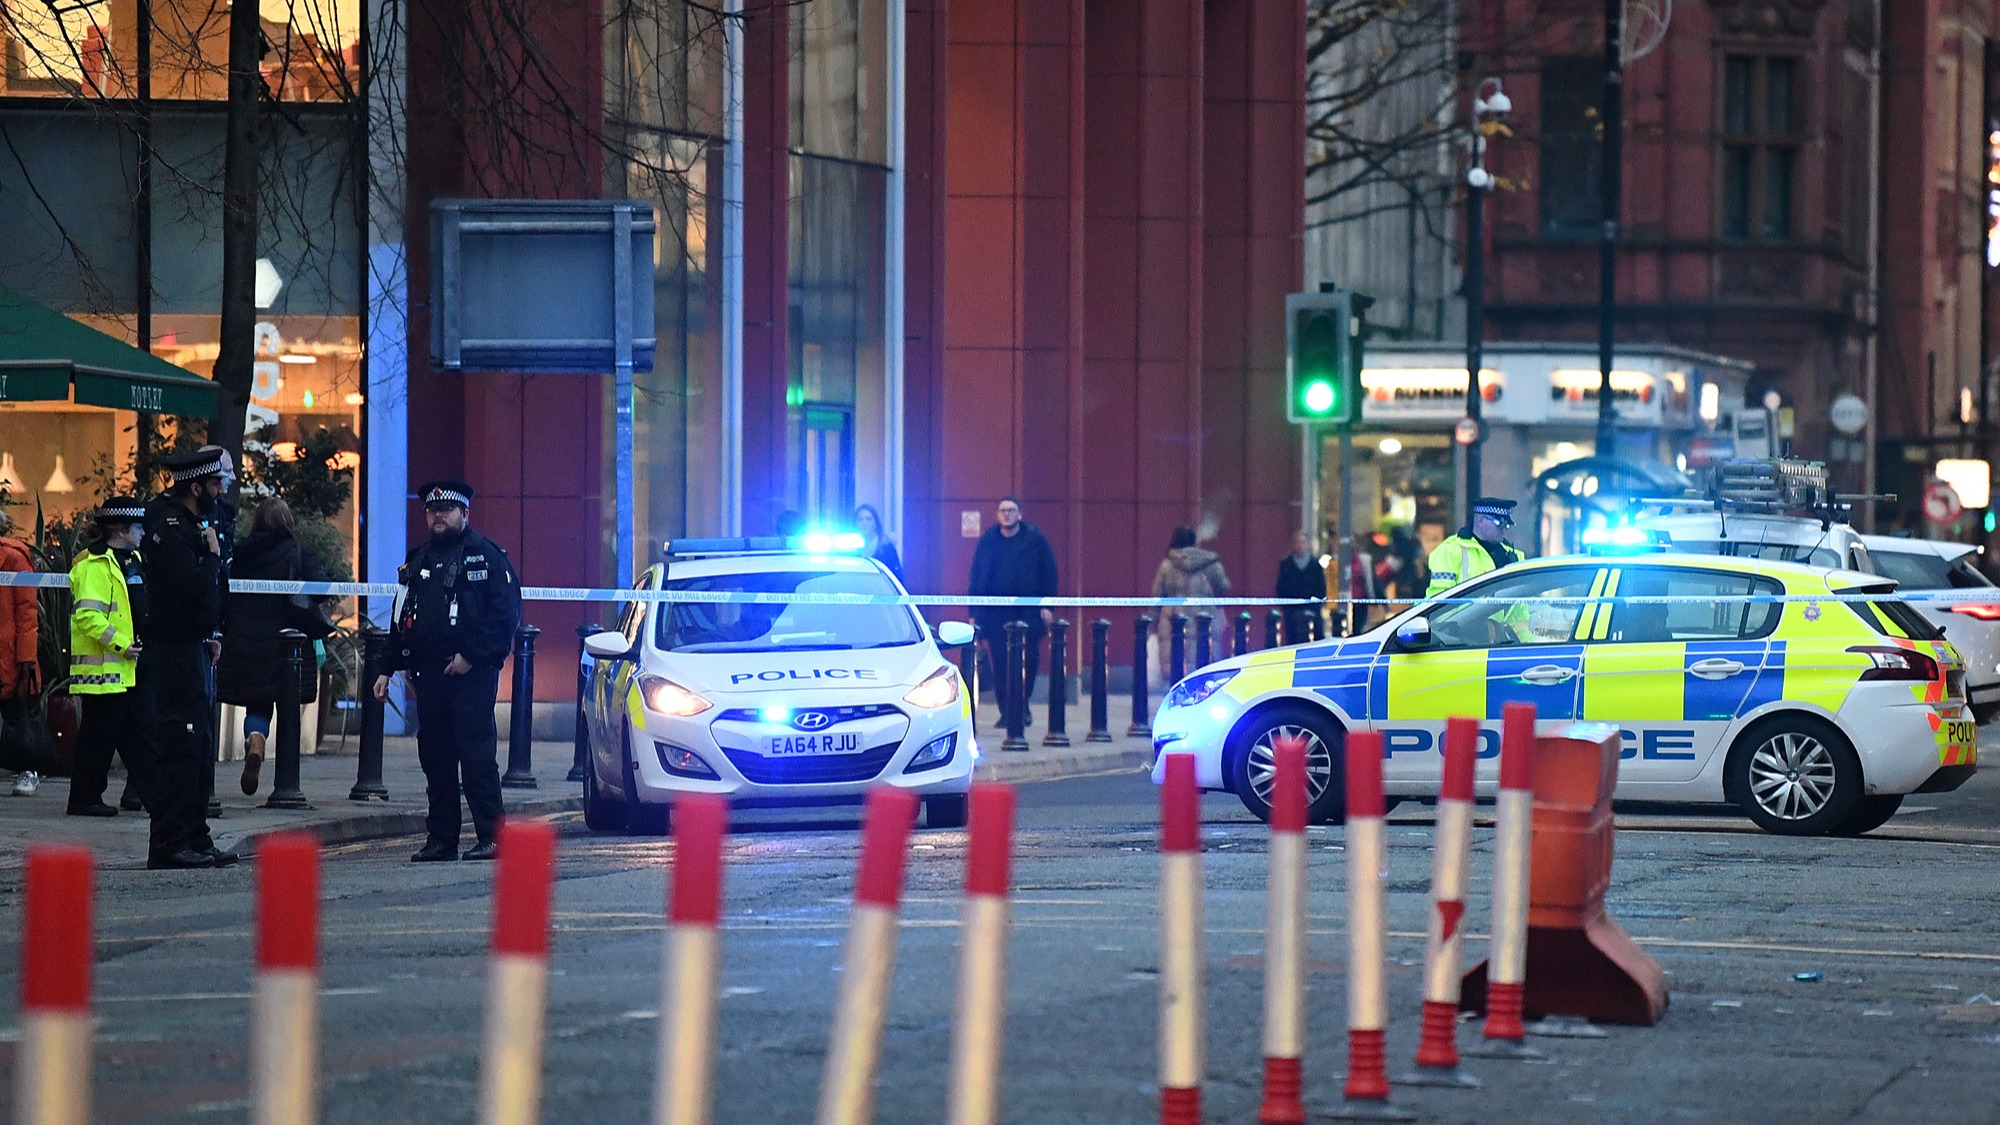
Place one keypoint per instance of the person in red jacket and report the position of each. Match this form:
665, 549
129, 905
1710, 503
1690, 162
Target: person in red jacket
20, 637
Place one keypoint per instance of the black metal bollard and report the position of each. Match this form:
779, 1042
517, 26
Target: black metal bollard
1177, 652
580, 761
1142, 712
1272, 622
285, 792
1100, 682
1242, 633
1204, 640
521, 713
368, 773
1014, 686
1314, 625
1058, 732
968, 671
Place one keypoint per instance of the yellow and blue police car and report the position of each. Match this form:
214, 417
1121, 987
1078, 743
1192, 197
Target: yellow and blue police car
787, 700
1730, 679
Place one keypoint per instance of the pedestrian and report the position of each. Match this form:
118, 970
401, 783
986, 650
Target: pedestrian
184, 616
106, 627
1300, 575
1013, 560
1188, 571
875, 539
1480, 546
20, 638
451, 633
253, 666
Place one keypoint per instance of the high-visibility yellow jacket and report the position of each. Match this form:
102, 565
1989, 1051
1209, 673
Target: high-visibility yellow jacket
1462, 558
100, 627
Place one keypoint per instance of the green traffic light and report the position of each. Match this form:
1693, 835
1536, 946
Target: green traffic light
1318, 397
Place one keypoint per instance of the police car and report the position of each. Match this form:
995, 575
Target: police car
771, 703
1814, 716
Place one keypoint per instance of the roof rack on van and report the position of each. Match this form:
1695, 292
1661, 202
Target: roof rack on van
1772, 486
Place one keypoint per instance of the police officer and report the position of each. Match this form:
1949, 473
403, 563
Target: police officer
452, 631
108, 588
184, 571
1480, 546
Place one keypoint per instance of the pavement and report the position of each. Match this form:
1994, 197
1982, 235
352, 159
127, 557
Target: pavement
326, 780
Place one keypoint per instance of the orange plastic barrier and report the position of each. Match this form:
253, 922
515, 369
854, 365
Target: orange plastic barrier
1579, 962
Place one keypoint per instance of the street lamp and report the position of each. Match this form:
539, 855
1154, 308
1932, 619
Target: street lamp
1489, 104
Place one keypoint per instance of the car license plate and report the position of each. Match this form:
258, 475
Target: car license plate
798, 745
1960, 732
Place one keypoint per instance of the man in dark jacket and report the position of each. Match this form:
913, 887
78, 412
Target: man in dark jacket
184, 570
452, 631
1013, 560
1300, 575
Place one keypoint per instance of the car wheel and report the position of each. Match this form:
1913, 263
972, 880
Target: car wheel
1795, 775
1253, 764
1868, 814
948, 810
599, 813
640, 819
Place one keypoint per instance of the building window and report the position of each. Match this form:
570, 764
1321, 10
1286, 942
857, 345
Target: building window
1760, 147
1571, 149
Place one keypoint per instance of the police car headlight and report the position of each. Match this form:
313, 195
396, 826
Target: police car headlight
1194, 689
666, 697
940, 689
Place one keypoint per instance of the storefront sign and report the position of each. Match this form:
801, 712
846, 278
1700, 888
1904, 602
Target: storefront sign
1423, 392
1573, 394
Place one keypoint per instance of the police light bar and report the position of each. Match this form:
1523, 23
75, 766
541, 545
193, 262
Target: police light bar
1624, 540
815, 542
830, 542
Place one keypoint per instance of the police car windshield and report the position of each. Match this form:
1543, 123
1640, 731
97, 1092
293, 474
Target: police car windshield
784, 626
1773, 552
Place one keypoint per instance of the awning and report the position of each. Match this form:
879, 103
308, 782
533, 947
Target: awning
43, 354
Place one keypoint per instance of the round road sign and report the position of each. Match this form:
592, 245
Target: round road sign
1849, 414
1941, 502
1466, 432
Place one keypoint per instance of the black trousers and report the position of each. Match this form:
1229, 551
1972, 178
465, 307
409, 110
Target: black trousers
118, 723
458, 741
173, 675
996, 655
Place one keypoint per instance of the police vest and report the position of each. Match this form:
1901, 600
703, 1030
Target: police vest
100, 627
1461, 558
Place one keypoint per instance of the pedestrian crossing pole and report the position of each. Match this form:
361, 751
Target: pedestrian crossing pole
284, 1042
52, 1066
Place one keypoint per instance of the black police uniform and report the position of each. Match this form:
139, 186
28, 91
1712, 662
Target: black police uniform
462, 597
185, 610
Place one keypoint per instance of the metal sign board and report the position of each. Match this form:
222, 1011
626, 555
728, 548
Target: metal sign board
536, 285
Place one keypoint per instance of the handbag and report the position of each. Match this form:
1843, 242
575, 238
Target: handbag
25, 741
304, 612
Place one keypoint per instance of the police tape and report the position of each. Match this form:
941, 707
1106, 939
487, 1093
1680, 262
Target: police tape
1971, 596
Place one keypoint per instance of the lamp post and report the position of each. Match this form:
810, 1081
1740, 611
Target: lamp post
1489, 104
1610, 185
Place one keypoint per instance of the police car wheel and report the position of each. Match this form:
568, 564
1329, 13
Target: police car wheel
1253, 762
599, 814
945, 811
1795, 775
1869, 813
640, 819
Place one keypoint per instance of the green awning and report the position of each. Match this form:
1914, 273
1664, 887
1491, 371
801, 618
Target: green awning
44, 353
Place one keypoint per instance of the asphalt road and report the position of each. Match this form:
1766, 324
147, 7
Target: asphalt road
1903, 928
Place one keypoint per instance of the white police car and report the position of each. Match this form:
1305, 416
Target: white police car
771, 703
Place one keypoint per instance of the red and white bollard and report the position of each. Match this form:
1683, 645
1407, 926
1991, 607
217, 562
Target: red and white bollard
284, 1038
684, 1083
1367, 921
980, 1030
1285, 940
847, 1086
1182, 1048
1437, 1049
52, 1066
517, 982
1513, 847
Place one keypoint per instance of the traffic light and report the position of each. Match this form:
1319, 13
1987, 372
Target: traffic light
1323, 356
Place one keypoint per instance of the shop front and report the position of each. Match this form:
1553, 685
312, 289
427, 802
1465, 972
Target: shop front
1674, 407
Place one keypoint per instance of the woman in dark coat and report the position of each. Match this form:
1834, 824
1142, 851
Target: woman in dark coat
253, 657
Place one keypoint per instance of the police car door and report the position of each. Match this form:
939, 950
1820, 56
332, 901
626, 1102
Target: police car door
609, 677
1516, 643
1673, 674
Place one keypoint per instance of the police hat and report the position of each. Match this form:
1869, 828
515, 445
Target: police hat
446, 492
194, 466
1494, 508
121, 509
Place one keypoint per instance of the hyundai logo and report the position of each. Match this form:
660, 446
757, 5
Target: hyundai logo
812, 720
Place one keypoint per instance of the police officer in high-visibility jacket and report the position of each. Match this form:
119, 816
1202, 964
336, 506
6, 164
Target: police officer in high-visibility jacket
107, 586
452, 631
1479, 547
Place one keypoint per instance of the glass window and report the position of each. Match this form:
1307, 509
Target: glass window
1895, 619
632, 618
1571, 148
1538, 607
837, 364
785, 626
1736, 162
90, 48
1759, 155
1736, 80
1925, 571
1716, 606
839, 79
1771, 552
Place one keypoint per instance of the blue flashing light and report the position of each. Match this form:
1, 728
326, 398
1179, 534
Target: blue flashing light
1624, 540
776, 714
831, 542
